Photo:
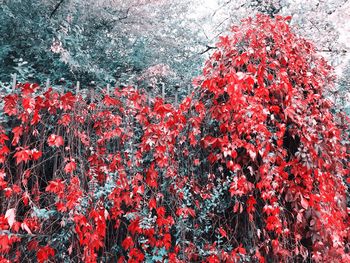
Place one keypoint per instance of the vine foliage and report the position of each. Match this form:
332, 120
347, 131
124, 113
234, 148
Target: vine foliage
251, 167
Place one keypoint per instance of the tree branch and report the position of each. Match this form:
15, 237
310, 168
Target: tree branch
56, 8
333, 50
208, 48
125, 16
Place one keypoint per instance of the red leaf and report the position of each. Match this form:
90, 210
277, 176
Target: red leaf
259, 256
55, 140
152, 177
65, 120
67, 101
128, 243
36, 154
56, 186
25, 198
288, 18
33, 245
185, 212
61, 207
136, 255
10, 216
161, 211
167, 241
109, 101
251, 202
29, 88
210, 141
70, 167
10, 104
44, 253
22, 155
36, 118
3, 138
222, 232
224, 41
241, 250
152, 203
5, 243
17, 132
213, 259
28, 104
163, 109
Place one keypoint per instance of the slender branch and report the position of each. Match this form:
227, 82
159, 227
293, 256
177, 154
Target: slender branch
333, 50
56, 8
125, 16
9, 233
208, 48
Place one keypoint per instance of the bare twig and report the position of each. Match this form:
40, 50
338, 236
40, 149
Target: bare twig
56, 8
125, 16
208, 48
329, 50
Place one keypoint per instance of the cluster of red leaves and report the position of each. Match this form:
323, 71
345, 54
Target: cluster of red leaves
251, 167
271, 129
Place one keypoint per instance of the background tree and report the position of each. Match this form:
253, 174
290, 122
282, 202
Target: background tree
104, 41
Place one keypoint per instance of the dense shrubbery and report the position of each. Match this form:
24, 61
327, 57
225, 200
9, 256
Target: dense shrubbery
251, 167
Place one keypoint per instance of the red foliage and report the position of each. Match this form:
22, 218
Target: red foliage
273, 129
45, 253
251, 167
55, 140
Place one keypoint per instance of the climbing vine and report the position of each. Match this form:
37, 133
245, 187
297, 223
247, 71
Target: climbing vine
252, 166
